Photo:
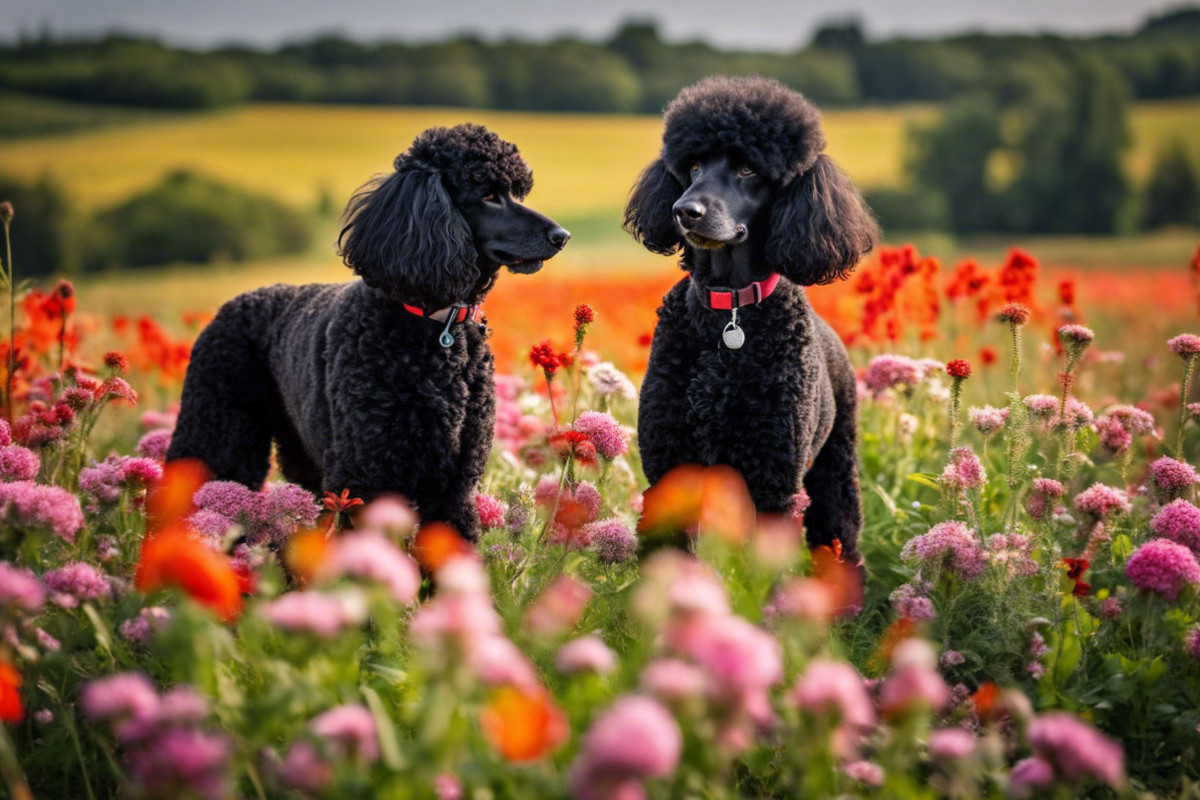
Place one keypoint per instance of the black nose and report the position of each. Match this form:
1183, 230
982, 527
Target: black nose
689, 212
559, 237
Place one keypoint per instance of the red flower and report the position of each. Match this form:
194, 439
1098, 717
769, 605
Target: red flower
11, 709
584, 315
987, 355
174, 558
1014, 313
115, 359
959, 368
542, 355
339, 503
645, 339
1076, 567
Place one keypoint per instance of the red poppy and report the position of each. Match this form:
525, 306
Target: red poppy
11, 709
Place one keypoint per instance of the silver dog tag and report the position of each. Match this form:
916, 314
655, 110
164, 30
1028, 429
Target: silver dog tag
733, 336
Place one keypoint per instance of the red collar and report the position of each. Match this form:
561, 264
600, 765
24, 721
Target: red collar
726, 299
462, 313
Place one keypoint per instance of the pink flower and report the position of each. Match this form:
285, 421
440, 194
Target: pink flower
951, 658
1172, 478
909, 602
26, 505
388, 515
1185, 345
964, 470
559, 607
634, 739
491, 510
79, 580
447, 786
322, 615
1100, 501
1076, 334
585, 654
1163, 567
1042, 406
609, 381
612, 541
1179, 521
738, 656
140, 629
5, 433
673, 681
834, 688
1030, 775
124, 695
1110, 607
674, 585
155, 444
950, 744
304, 769
1119, 424
865, 772
371, 556
892, 371
18, 463
914, 684
1076, 750
181, 763
1041, 493
987, 420
604, 432
1113, 434
1192, 643
20, 588
498, 662
950, 544
350, 731
1076, 415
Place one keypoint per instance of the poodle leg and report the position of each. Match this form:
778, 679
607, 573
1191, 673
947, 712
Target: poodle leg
475, 448
228, 400
663, 432
294, 461
835, 511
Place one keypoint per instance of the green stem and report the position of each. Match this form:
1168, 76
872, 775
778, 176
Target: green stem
12, 321
10, 766
1189, 365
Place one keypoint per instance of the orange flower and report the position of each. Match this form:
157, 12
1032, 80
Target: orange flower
175, 558
11, 709
306, 552
694, 498
436, 544
170, 500
523, 725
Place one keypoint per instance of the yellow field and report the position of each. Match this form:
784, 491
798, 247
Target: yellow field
583, 164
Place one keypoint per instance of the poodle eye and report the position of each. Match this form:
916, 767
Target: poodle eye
695, 166
745, 172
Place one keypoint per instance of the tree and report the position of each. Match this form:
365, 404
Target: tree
43, 230
952, 158
1172, 195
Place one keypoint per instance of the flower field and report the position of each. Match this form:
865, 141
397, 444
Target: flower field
1027, 626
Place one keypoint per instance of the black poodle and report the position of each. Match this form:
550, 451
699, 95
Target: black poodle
384, 385
742, 371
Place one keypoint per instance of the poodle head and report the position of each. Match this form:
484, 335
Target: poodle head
437, 229
742, 165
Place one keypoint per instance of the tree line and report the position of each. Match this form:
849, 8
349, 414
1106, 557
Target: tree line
633, 70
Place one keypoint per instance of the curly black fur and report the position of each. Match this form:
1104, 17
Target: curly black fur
355, 391
781, 410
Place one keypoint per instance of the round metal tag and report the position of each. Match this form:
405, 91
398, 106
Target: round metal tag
733, 337
446, 339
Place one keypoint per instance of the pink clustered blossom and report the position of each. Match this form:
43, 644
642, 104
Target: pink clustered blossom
964, 471
1042, 406
865, 772
106, 481
608, 381
266, 517
1011, 553
585, 654
1118, 425
321, 614
1043, 491
78, 581
988, 419
604, 432
1191, 644
1075, 415
1030, 775
168, 754
914, 682
1162, 567
612, 541
892, 372
141, 629
910, 602
634, 740
18, 463
951, 544
1179, 521
836, 690
350, 730
26, 505
371, 556
951, 658
950, 744
1100, 501
1172, 478
673, 681
559, 607
20, 589
491, 510
514, 428
1110, 607
1075, 750
573, 507
1185, 345
154, 445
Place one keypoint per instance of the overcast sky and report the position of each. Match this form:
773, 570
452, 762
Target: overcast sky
768, 24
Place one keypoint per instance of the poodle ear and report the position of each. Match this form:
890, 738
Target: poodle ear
403, 233
648, 215
820, 226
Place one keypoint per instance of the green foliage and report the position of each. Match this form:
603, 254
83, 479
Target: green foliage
905, 210
1172, 195
42, 235
190, 218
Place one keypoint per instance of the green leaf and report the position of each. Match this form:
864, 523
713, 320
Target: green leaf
389, 747
925, 479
